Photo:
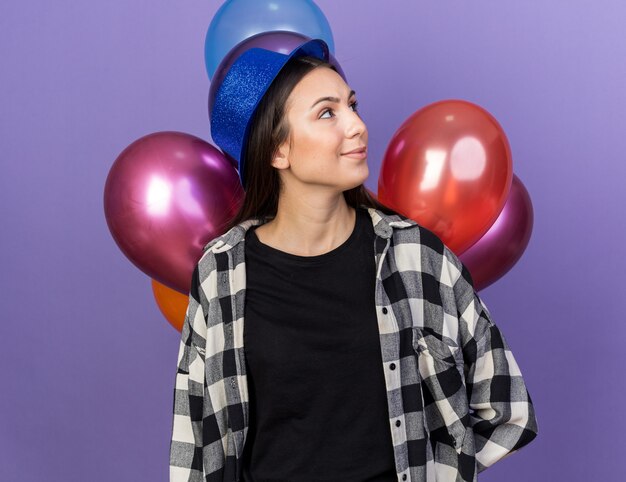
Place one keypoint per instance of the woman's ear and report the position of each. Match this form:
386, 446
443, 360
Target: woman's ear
281, 157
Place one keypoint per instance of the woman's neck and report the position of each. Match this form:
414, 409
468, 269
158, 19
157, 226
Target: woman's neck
307, 228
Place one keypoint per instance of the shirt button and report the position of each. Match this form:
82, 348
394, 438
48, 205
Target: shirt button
385, 310
403, 476
392, 366
398, 423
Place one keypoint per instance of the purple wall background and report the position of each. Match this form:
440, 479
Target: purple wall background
88, 361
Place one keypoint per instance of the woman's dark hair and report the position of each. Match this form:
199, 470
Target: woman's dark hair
269, 129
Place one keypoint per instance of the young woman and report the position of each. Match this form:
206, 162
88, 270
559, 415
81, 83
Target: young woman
366, 354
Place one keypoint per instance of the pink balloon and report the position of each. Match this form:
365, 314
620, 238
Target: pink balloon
166, 195
503, 244
281, 41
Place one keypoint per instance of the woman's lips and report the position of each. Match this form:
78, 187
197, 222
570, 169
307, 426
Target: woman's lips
357, 153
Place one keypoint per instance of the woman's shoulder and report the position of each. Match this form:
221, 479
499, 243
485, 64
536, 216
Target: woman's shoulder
232, 236
411, 235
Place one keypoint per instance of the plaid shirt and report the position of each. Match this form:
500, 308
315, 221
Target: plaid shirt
456, 397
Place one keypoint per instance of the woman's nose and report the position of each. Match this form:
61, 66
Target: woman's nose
356, 124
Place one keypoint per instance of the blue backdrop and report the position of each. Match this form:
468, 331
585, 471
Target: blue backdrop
88, 361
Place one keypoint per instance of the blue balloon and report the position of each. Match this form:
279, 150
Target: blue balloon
237, 20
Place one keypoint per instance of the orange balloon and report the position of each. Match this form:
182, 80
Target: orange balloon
173, 304
449, 168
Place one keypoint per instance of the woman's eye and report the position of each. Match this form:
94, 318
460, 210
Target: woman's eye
355, 104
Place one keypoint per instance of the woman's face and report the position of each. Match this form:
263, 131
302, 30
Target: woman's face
322, 132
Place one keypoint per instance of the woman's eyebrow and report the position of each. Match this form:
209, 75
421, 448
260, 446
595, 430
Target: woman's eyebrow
331, 99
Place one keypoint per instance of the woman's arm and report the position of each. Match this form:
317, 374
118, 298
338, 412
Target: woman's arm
503, 417
192, 405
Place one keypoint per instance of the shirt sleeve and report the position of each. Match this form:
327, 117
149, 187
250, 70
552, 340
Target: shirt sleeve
501, 410
186, 446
